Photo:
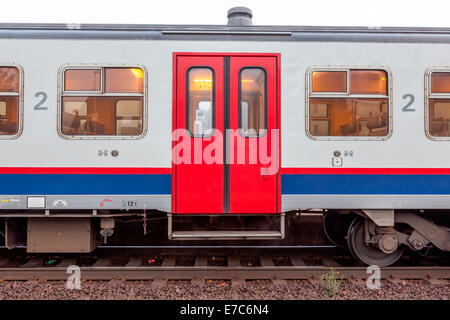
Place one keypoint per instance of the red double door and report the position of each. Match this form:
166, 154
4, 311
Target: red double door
226, 138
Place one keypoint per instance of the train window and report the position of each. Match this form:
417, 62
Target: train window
252, 102
124, 80
359, 109
368, 82
440, 82
111, 104
10, 101
439, 117
82, 80
329, 81
200, 104
437, 109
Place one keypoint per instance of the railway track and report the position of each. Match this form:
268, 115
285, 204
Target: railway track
201, 267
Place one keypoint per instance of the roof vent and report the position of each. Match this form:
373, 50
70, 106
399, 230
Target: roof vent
239, 17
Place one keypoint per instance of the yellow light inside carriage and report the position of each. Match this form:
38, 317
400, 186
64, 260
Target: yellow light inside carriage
202, 84
138, 73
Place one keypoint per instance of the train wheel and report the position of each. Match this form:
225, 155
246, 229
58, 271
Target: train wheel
367, 253
336, 226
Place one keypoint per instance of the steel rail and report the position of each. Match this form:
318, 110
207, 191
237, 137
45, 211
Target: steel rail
264, 268
206, 247
218, 273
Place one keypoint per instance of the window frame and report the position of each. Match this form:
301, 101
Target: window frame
266, 108
63, 93
429, 95
347, 95
20, 107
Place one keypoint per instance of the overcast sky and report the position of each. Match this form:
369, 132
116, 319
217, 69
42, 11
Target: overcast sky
416, 13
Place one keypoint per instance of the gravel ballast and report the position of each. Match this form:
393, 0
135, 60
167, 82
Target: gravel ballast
212, 290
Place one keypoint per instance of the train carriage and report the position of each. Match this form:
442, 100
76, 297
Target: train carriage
102, 122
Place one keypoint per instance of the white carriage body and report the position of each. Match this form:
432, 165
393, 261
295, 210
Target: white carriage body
408, 146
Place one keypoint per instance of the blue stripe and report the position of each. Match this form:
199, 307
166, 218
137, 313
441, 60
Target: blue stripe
364, 184
86, 184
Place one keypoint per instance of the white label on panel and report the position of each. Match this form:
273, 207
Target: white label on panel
36, 202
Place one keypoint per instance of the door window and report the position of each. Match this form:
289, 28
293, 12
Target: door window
252, 102
200, 101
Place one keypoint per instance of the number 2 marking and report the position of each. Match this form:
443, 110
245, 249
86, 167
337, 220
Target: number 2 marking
410, 102
44, 99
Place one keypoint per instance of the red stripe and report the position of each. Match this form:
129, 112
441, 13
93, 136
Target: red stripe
423, 171
64, 170
30, 170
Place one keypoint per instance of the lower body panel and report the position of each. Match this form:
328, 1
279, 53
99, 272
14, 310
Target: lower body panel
363, 201
160, 202
365, 191
59, 191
